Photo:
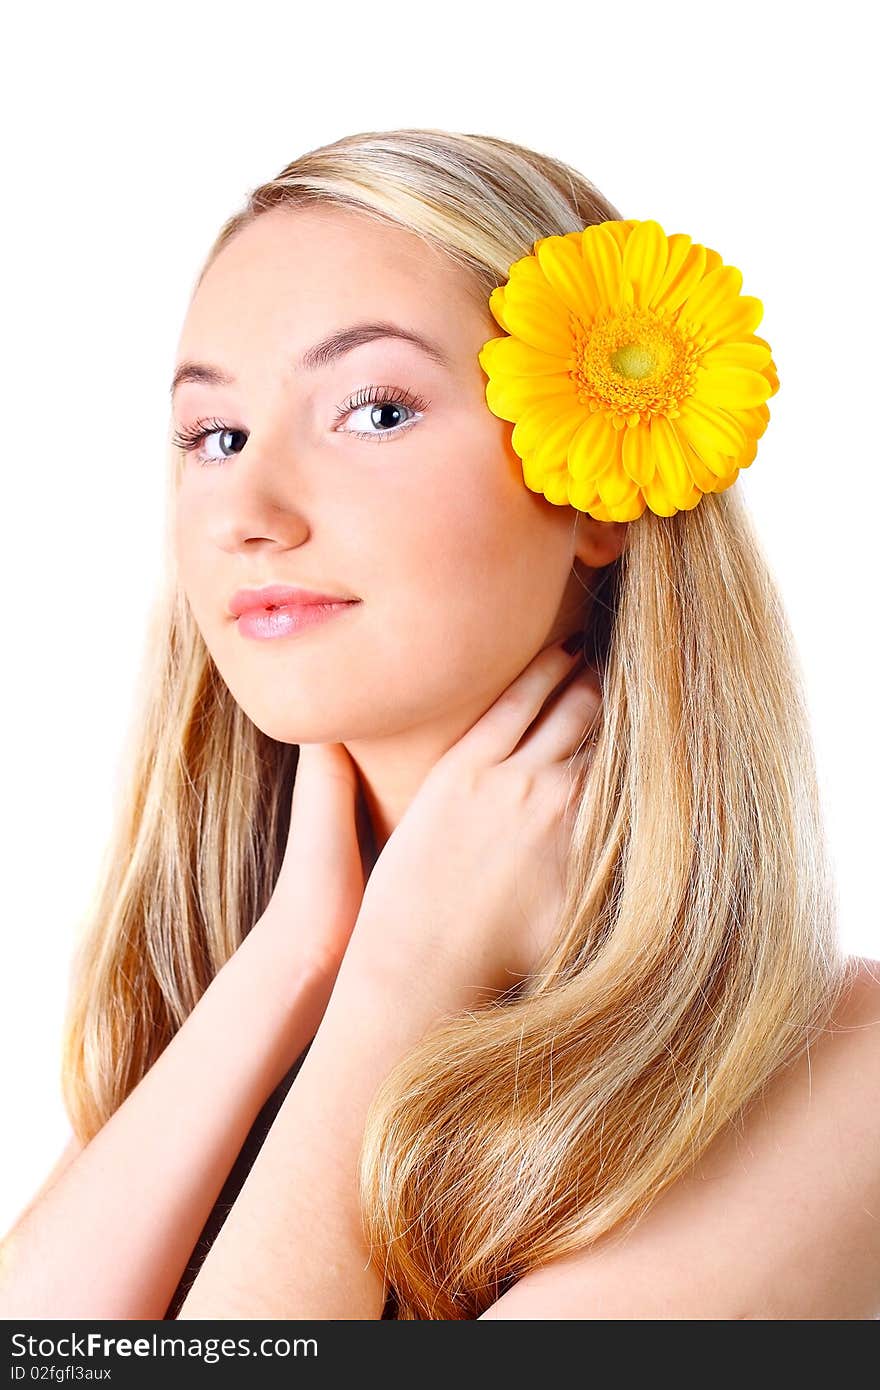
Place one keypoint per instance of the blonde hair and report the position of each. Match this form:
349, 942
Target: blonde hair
697, 950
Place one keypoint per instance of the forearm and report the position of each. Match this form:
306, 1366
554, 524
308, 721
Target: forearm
293, 1246
112, 1237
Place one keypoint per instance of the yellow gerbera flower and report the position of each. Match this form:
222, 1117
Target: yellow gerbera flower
631, 370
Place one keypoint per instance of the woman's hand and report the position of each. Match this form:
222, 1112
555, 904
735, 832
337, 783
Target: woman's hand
320, 886
470, 882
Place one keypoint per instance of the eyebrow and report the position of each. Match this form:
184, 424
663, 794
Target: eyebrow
319, 354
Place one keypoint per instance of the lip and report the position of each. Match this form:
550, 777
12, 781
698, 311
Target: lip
274, 596
288, 620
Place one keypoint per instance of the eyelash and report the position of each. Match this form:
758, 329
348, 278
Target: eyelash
190, 439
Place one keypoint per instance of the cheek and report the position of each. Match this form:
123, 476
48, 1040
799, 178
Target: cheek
483, 573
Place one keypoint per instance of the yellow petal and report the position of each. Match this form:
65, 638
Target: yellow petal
583, 495
602, 256
671, 465
620, 229
636, 454
552, 447
734, 319
539, 318
715, 291
754, 355
534, 422
592, 448
512, 357
562, 263
687, 274
644, 260
615, 487
706, 479
770, 372
556, 487
496, 307
629, 510
527, 272
507, 397
710, 429
533, 473
658, 499
734, 388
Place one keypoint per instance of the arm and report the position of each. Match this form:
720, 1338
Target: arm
292, 1246
434, 936
110, 1237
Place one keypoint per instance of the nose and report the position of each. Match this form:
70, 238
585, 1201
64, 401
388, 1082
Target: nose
260, 498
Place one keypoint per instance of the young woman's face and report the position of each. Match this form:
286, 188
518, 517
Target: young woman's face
462, 574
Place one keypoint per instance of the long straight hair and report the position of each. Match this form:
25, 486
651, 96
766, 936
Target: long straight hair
696, 951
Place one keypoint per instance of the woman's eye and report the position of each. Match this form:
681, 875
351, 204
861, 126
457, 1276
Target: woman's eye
381, 412
381, 417
224, 451
192, 441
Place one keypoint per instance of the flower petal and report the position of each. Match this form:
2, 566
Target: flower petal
535, 420
603, 259
592, 448
671, 464
658, 499
563, 264
620, 229
754, 355
644, 260
734, 388
616, 487
734, 319
710, 429
583, 495
714, 292
706, 479
506, 396
538, 317
687, 272
636, 454
552, 447
511, 357
556, 487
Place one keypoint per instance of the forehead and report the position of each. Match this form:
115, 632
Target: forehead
303, 272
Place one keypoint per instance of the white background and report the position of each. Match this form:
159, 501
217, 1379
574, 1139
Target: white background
130, 135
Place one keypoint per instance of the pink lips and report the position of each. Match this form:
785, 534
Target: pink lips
278, 595
278, 610
289, 619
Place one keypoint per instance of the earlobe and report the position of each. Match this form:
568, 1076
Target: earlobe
598, 543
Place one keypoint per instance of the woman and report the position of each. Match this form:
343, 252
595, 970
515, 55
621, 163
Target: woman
529, 961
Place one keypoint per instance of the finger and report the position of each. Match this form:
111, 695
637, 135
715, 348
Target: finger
322, 762
569, 719
496, 734
322, 817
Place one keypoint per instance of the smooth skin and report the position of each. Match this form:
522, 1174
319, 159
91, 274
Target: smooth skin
462, 573
408, 711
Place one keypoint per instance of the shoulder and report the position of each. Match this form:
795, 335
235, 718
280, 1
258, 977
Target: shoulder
780, 1219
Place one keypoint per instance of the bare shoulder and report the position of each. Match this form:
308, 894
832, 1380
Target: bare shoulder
780, 1219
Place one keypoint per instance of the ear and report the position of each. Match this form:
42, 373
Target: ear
597, 543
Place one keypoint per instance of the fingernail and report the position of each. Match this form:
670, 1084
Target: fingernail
574, 642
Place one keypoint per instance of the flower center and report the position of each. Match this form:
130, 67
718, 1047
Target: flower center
633, 364
633, 360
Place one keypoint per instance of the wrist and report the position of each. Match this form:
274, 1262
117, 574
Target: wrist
287, 985
422, 983
274, 945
